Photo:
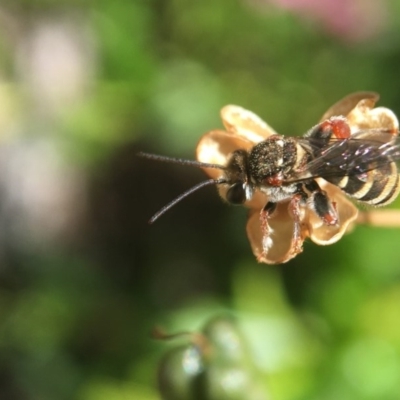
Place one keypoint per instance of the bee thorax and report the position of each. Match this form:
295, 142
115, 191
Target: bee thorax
271, 161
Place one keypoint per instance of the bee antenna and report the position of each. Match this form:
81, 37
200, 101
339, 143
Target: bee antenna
181, 161
185, 194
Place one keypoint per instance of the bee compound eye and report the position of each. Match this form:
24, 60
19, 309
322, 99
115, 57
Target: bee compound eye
236, 194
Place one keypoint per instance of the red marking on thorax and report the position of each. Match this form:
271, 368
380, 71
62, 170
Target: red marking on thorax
274, 180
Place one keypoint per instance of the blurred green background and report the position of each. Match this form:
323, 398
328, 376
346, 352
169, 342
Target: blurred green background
84, 86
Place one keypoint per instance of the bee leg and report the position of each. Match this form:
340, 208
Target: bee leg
295, 212
334, 126
322, 205
266, 213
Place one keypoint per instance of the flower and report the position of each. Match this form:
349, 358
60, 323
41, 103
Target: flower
284, 238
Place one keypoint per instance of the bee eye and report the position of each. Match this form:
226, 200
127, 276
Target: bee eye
236, 194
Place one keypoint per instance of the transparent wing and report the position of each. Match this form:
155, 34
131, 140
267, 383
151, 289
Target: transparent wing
362, 152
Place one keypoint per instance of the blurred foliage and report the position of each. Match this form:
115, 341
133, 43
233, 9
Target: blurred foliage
84, 86
214, 364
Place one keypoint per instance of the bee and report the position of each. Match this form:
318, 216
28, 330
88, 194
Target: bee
356, 154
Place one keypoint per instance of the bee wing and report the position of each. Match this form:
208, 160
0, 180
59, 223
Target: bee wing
245, 124
347, 104
362, 152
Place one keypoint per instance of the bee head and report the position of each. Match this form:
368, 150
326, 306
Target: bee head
236, 173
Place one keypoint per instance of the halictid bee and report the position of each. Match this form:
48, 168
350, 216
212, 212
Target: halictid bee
298, 187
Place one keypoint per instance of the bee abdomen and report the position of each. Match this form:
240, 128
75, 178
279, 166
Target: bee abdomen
377, 187
392, 188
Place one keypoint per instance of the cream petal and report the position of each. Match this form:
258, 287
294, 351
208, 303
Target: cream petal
383, 118
345, 105
377, 118
277, 248
323, 234
359, 110
364, 116
246, 124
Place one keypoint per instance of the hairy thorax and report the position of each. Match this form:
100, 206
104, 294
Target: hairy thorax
272, 164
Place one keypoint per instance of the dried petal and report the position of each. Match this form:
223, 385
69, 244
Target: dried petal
323, 234
345, 106
364, 116
278, 246
246, 124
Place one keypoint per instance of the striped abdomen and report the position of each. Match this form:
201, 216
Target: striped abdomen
377, 187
